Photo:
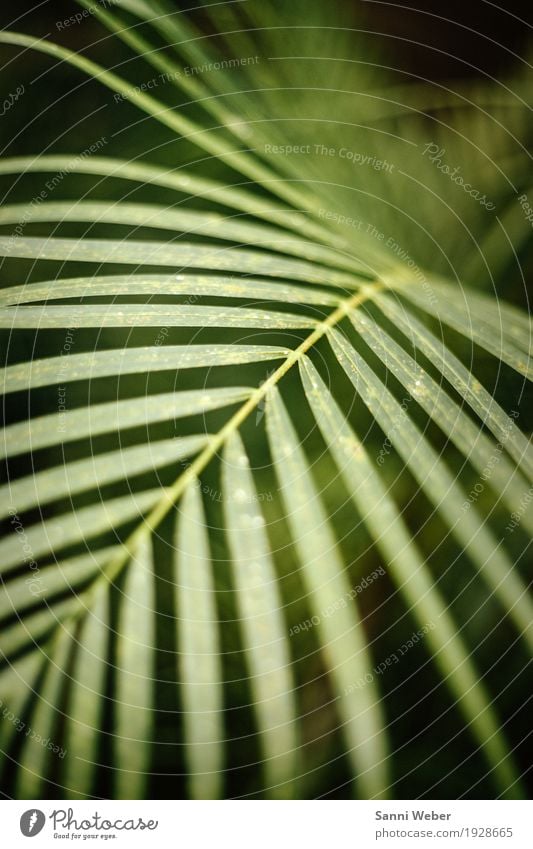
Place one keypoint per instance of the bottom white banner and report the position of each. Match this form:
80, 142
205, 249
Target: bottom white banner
263, 825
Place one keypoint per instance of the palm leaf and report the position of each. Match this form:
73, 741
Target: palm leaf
172, 528
200, 671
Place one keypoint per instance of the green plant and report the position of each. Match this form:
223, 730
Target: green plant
205, 511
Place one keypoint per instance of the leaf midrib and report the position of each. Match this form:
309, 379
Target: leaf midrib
171, 494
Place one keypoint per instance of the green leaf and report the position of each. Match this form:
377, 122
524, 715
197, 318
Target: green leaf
51, 370
17, 684
264, 633
186, 221
165, 285
440, 486
485, 333
487, 457
489, 411
50, 582
192, 185
135, 674
343, 640
180, 256
86, 699
200, 673
147, 315
58, 533
96, 471
37, 627
411, 575
41, 431
41, 742
322, 177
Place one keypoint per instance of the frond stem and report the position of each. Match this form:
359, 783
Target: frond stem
173, 493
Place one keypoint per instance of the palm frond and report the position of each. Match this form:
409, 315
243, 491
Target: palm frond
186, 507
